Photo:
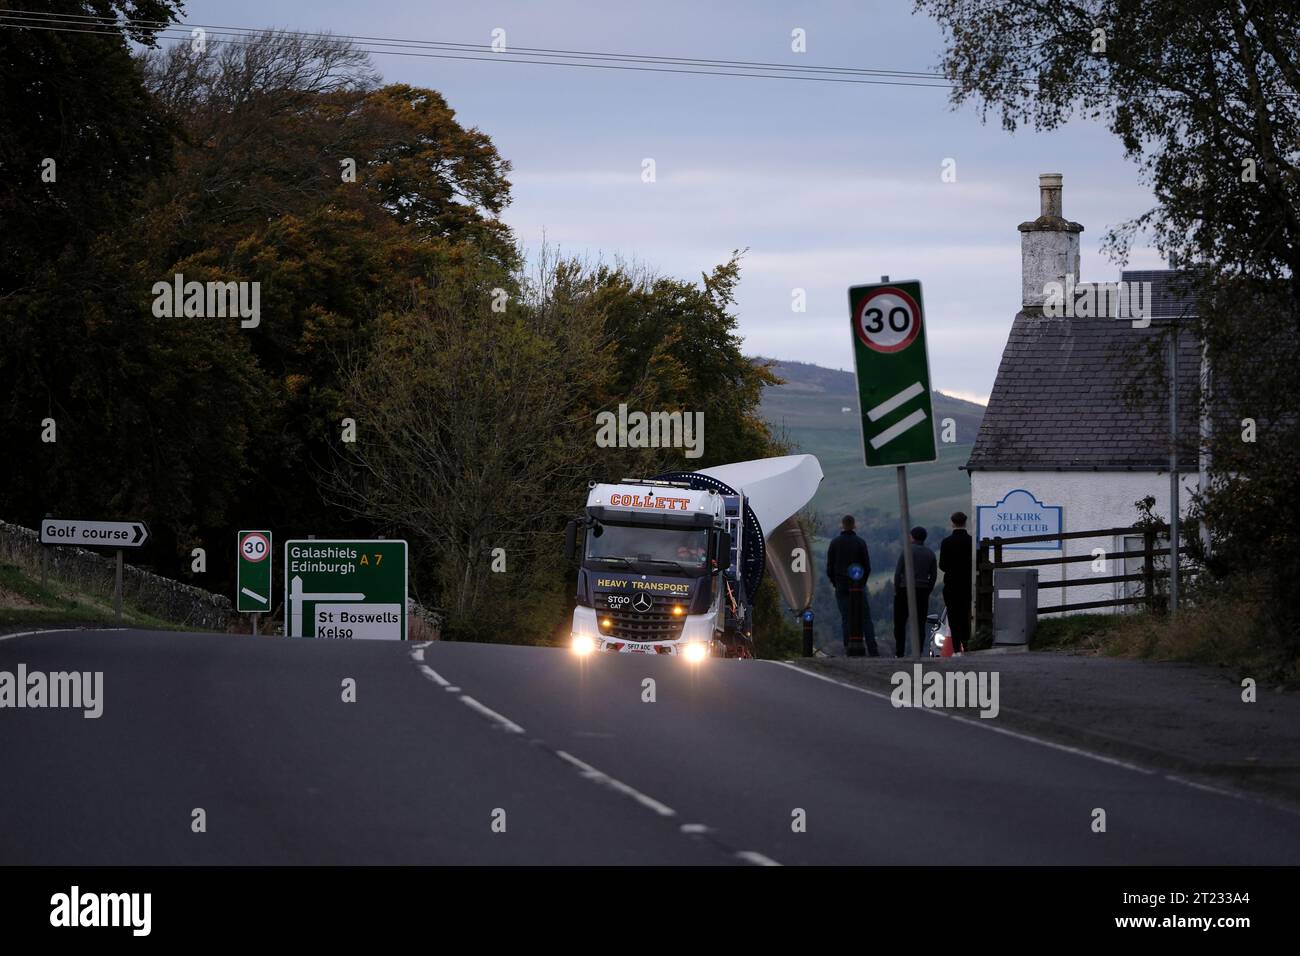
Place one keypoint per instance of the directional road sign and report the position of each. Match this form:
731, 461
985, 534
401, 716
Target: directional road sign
893, 372
94, 534
253, 582
345, 590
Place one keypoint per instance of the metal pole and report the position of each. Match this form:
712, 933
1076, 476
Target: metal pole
1203, 455
905, 520
117, 589
45, 554
255, 617
1173, 469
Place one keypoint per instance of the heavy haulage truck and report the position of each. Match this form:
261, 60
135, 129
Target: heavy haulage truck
671, 564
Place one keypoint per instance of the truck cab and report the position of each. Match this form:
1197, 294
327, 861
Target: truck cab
654, 574
669, 565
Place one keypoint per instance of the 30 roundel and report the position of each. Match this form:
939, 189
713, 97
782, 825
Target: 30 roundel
887, 320
254, 547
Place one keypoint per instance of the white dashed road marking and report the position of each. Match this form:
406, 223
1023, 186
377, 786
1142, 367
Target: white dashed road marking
586, 770
604, 779
491, 714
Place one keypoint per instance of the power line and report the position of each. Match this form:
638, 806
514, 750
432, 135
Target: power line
74, 23
471, 47
113, 23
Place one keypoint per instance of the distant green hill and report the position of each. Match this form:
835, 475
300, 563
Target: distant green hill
809, 410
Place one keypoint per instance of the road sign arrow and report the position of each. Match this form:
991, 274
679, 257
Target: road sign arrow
297, 596
94, 534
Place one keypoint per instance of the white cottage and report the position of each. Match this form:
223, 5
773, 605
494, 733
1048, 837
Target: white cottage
1078, 426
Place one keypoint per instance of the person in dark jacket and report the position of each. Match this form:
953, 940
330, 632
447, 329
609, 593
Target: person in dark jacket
955, 562
846, 550
927, 572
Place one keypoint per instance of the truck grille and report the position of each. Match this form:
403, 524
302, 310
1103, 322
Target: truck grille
657, 624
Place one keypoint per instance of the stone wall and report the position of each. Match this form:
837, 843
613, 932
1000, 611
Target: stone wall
94, 573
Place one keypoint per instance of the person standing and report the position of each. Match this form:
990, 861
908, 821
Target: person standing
955, 562
846, 550
926, 570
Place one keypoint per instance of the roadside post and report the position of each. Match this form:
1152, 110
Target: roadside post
807, 618
117, 589
857, 604
253, 579
45, 560
98, 534
1175, 499
892, 364
345, 589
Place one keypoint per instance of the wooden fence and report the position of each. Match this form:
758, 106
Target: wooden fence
989, 556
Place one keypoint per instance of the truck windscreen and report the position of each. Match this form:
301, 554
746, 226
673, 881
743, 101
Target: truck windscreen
687, 547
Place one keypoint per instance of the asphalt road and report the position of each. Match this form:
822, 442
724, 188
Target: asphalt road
491, 754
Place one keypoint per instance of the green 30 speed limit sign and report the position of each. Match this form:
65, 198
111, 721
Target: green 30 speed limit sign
893, 372
253, 587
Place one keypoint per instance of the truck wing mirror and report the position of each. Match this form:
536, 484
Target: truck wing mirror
723, 556
570, 539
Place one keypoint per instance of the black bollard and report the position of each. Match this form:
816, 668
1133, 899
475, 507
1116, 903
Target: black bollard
857, 645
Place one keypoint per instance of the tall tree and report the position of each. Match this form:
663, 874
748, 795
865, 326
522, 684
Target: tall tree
79, 133
1204, 96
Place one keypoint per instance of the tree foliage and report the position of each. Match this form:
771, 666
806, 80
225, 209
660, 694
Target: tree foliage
479, 426
1205, 97
369, 218
75, 98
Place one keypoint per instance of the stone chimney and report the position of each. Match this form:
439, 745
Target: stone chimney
1049, 247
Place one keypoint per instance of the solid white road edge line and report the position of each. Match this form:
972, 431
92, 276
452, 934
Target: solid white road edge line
984, 725
756, 858
58, 630
1173, 778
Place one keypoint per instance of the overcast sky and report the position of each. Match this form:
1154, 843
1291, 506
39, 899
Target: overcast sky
827, 185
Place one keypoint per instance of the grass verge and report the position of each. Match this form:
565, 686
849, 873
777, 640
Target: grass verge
1238, 634
24, 603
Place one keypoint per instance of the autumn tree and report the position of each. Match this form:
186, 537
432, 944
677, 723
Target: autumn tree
289, 167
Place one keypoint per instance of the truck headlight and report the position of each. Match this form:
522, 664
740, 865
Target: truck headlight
583, 644
695, 651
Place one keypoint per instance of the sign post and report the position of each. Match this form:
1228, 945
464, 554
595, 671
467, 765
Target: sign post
253, 581
345, 589
97, 534
892, 365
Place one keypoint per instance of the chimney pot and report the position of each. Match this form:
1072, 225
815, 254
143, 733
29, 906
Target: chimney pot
1049, 189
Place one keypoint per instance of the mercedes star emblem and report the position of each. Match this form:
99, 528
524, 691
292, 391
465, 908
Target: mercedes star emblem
642, 603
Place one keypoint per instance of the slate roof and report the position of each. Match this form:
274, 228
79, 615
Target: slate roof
1079, 393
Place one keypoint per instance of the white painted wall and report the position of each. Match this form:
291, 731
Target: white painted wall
1089, 500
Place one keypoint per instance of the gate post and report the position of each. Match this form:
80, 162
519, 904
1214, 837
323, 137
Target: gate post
983, 587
